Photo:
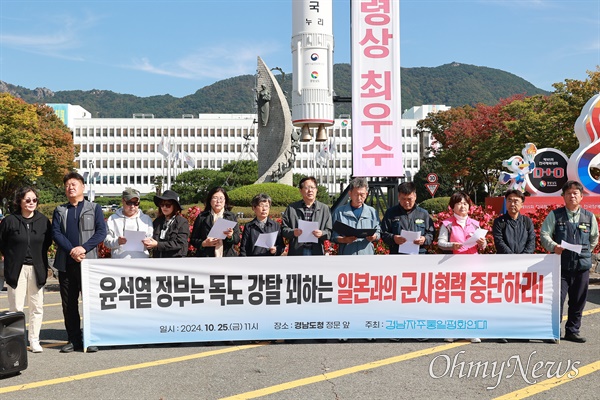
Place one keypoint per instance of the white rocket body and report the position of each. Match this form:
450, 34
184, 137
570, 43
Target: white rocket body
312, 60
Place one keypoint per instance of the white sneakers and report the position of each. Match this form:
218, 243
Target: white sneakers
36, 347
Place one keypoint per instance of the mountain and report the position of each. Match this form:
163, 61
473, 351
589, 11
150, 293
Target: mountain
451, 84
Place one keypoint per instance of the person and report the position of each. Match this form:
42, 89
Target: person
170, 230
307, 209
264, 97
575, 225
217, 206
25, 238
356, 214
127, 218
513, 233
261, 205
407, 216
455, 230
78, 228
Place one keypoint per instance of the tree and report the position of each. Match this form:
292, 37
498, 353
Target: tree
193, 186
471, 142
445, 180
33, 142
240, 173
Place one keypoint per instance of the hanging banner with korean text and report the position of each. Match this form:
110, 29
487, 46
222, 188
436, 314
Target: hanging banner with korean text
139, 301
376, 108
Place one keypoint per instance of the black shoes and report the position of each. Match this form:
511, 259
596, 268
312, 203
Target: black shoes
71, 347
574, 337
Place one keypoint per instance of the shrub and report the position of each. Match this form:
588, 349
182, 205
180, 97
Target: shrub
435, 205
282, 195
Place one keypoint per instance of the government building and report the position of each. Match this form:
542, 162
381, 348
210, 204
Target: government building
115, 153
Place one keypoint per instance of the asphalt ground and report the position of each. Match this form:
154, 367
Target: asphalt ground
356, 369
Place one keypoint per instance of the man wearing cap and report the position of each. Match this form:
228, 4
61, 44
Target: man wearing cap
126, 221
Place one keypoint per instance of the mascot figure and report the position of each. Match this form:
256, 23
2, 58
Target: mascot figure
519, 168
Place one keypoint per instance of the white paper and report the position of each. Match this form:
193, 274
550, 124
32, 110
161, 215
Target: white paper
266, 240
575, 248
409, 247
220, 226
479, 233
134, 240
307, 228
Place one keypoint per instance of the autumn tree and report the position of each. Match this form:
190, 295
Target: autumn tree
33, 142
471, 142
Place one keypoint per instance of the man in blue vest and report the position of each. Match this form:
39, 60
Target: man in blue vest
572, 224
78, 228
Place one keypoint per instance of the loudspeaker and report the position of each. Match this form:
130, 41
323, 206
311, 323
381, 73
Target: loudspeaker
13, 347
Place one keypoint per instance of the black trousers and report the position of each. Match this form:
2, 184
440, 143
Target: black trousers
70, 287
575, 284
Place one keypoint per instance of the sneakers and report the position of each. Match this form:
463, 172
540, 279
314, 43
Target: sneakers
36, 347
71, 347
574, 337
476, 340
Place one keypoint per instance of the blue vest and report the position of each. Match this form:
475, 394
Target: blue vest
574, 233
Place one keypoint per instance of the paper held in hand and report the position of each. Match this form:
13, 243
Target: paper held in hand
220, 226
307, 228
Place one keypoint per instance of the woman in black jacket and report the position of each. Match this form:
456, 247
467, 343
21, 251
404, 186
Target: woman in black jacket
171, 229
217, 206
25, 238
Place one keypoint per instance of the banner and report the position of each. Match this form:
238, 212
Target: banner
376, 108
137, 301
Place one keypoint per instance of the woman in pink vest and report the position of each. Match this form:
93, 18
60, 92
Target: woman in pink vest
457, 229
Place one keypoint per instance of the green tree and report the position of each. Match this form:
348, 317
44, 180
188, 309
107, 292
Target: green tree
193, 186
240, 173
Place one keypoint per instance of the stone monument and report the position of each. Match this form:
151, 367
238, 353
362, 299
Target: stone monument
276, 148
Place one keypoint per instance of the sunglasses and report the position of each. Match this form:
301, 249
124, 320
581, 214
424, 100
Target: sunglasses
132, 203
166, 204
30, 201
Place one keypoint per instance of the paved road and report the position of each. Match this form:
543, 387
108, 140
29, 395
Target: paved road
355, 369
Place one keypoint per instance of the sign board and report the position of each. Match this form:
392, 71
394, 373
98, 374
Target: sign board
431, 178
432, 188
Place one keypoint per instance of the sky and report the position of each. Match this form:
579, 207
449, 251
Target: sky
176, 47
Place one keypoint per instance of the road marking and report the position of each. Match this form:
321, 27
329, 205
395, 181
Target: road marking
551, 383
346, 371
117, 370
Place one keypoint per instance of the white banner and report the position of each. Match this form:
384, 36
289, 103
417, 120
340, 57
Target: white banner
137, 301
376, 108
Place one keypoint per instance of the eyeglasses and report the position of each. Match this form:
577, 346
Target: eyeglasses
166, 204
218, 199
132, 203
30, 201
310, 188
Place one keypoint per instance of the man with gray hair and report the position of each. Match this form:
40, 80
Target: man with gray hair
126, 221
356, 214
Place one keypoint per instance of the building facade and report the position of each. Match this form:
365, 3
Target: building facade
115, 153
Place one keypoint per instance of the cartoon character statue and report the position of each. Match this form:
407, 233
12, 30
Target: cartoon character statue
519, 168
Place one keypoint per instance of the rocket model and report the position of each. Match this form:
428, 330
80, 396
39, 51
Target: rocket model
312, 58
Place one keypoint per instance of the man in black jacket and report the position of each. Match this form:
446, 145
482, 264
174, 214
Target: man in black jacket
406, 216
514, 233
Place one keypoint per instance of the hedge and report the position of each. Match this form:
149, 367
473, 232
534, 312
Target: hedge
281, 194
435, 205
